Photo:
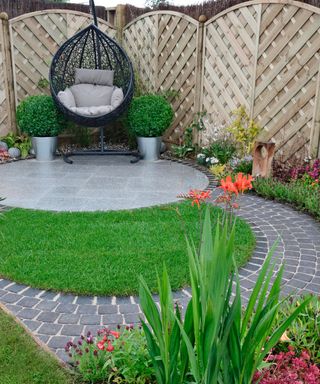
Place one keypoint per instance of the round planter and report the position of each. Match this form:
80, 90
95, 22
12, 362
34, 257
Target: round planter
45, 147
33, 149
149, 147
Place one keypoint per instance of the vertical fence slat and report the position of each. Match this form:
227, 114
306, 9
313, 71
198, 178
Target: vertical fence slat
315, 131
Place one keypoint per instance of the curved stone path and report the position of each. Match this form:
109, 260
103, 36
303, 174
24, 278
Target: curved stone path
56, 318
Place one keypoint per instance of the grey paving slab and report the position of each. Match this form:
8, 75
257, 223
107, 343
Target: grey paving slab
58, 186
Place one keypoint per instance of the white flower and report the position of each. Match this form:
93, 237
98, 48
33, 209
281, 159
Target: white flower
207, 159
201, 156
214, 160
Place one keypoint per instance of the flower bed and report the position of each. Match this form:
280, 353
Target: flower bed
298, 186
218, 340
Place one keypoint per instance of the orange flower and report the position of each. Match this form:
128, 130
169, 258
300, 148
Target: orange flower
115, 334
228, 186
242, 182
196, 196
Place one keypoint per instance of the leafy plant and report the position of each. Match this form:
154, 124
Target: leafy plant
187, 145
223, 344
302, 197
244, 166
130, 361
244, 130
22, 142
149, 115
43, 83
288, 368
112, 356
163, 333
38, 116
155, 4
221, 149
304, 332
218, 170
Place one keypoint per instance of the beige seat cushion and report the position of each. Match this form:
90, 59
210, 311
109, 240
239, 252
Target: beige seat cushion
92, 111
67, 99
89, 95
94, 76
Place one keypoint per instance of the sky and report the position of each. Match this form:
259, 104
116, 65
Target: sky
137, 3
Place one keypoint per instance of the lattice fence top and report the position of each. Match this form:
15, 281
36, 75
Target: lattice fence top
35, 39
265, 55
163, 47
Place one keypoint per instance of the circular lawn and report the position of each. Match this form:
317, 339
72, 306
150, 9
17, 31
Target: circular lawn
104, 253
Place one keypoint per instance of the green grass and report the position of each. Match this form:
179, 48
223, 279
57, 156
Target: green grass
22, 361
103, 253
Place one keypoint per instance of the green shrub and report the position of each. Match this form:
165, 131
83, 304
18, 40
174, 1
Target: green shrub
244, 166
149, 115
221, 149
305, 198
38, 116
244, 131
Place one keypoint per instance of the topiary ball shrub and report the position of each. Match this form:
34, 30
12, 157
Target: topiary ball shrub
38, 117
149, 115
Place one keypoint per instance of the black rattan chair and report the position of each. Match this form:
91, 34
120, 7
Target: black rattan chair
92, 49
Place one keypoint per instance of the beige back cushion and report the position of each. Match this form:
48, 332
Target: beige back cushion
88, 95
93, 76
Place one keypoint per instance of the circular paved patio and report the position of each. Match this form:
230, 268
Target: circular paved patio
96, 183
56, 318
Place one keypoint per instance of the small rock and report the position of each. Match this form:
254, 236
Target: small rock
3, 145
14, 152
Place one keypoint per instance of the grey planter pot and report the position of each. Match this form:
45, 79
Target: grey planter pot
45, 147
149, 147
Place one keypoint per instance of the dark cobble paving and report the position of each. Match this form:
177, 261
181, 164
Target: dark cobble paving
55, 318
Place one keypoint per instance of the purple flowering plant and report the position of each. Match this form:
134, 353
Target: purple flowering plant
112, 356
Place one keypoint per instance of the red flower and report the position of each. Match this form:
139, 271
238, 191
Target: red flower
100, 345
115, 334
110, 347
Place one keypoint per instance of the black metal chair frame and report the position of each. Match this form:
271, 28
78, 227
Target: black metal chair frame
93, 49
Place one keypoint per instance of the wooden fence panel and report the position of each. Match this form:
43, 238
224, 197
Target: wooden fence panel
286, 82
265, 55
230, 49
35, 39
163, 47
7, 104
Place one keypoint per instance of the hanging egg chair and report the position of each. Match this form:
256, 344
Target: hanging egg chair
92, 80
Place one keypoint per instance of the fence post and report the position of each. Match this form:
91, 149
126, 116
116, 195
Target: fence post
9, 103
120, 20
315, 130
199, 71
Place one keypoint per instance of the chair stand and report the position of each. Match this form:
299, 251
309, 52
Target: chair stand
102, 152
